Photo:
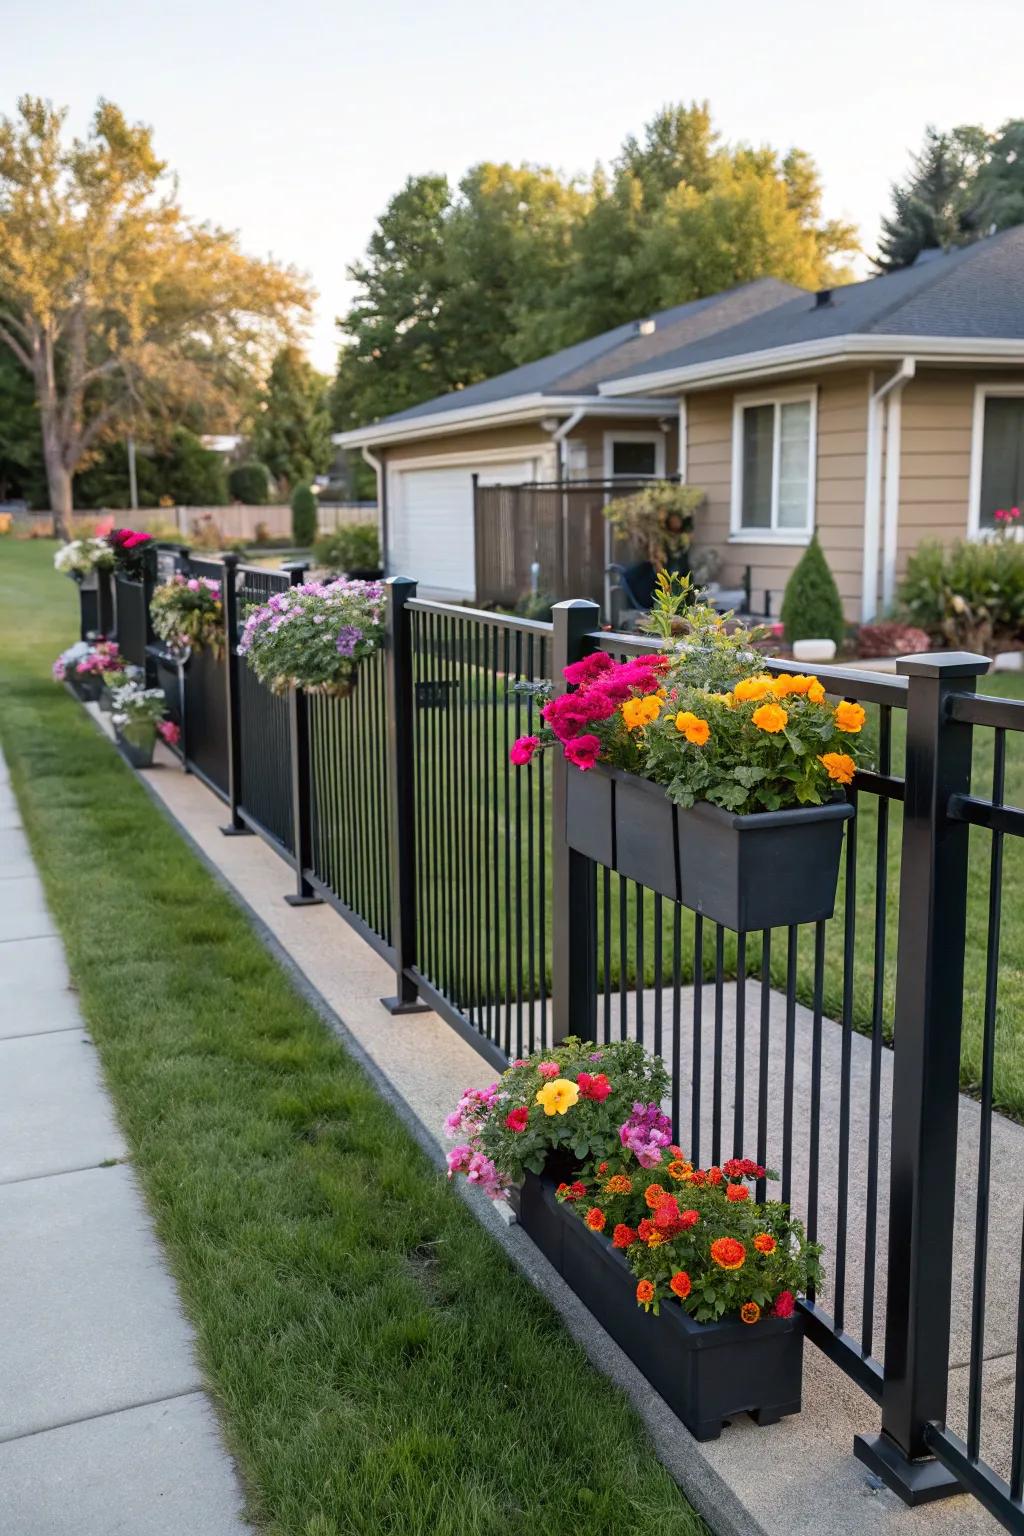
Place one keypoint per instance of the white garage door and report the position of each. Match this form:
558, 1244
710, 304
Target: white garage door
430, 523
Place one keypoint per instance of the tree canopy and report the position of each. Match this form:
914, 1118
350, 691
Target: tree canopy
292, 431
963, 184
461, 283
118, 307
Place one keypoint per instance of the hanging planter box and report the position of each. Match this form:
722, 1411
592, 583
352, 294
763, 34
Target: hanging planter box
766, 870
706, 1372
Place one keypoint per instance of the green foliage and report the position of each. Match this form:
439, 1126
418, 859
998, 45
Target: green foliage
182, 473
962, 185
303, 516
461, 283
811, 607
22, 472
353, 547
969, 595
656, 522
292, 434
718, 650
249, 483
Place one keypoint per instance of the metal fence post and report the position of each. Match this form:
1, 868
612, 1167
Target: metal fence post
926, 1080
573, 875
401, 793
105, 621
298, 734
229, 606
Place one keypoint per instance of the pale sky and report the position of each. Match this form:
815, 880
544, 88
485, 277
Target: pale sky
293, 123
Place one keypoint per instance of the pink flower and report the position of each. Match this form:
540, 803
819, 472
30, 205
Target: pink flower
192, 584
583, 751
516, 1119
567, 714
458, 1160
585, 671
549, 1069
522, 750
168, 732
785, 1304
597, 1088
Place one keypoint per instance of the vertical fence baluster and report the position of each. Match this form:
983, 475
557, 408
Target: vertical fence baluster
402, 805
232, 662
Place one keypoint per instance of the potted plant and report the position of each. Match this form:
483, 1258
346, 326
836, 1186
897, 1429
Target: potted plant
136, 715
353, 550
91, 663
82, 558
187, 613
694, 1279
130, 551
111, 681
314, 636
656, 526
727, 797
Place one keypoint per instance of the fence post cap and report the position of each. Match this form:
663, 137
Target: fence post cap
574, 602
399, 581
943, 664
229, 557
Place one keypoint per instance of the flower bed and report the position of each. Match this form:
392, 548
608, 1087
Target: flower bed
314, 636
188, 614
631, 1223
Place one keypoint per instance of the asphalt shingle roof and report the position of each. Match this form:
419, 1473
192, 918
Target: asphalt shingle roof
976, 292
579, 369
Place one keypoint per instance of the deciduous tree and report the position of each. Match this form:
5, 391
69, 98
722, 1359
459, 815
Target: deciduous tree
292, 434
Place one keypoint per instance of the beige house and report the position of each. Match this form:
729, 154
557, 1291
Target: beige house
879, 414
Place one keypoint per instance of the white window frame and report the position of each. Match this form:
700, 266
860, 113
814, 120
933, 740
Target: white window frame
656, 437
773, 534
982, 392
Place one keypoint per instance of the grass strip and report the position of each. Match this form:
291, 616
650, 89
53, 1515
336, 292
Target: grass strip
379, 1365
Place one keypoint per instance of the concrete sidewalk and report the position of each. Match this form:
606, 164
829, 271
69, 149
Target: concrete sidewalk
797, 1478
105, 1429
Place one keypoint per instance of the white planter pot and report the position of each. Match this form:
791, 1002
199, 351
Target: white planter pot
814, 650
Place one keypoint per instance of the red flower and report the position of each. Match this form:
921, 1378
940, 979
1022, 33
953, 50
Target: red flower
737, 1192
595, 1219
622, 1236
785, 1304
714, 1175
645, 1293
667, 1213
522, 750
585, 671
597, 1088
765, 1243
688, 1219
583, 751
679, 1285
576, 1191
516, 1120
728, 1252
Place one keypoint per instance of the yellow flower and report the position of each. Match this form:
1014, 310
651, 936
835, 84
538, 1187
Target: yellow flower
639, 712
771, 718
692, 727
839, 766
558, 1096
816, 692
753, 687
849, 717
722, 698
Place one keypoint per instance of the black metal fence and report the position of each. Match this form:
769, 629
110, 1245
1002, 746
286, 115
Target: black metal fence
832, 1052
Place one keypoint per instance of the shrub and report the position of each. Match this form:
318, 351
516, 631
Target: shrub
812, 608
874, 640
656, 522
249, 483
970, 595
303, 516
354, 547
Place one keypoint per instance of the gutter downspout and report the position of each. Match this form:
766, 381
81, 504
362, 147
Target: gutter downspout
893, 433
382, 503
873, 487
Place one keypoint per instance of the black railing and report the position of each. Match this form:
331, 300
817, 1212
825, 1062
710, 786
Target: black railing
834, 1053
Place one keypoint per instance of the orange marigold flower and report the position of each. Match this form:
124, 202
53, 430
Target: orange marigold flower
737, 1192
679, 1169
641, 712
753, 687
714, 1175
771, 718
618, 1184
839, 766
692, 727
623, 1236
679, 1285
595, 1219
654, 1195
765, 1243
656, 1239
750, 1312
688, 1219
676, 1152
645, 1292
645, 1229
602, 1167
816, 692
728, 1252
849, 717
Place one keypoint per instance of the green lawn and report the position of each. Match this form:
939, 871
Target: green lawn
380, 1368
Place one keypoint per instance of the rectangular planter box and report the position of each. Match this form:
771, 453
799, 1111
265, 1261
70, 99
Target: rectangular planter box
766, 870
706, 1372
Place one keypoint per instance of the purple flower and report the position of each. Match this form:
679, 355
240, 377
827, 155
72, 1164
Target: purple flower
348, 638
644, 1134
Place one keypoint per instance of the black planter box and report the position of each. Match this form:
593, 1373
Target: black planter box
767, 870
706, 1372
138, 754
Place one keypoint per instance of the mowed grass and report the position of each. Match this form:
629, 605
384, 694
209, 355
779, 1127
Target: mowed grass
380, 1367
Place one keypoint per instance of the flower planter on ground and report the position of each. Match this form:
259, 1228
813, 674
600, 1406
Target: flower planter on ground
706, 1372
138, 749
765, 870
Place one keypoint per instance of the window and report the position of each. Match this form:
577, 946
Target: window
634, 455
997, 470
773, 467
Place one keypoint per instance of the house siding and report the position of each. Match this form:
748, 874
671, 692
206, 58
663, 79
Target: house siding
840, 464
533, 442
591, 432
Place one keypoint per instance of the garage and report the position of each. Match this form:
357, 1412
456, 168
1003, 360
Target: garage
430, 522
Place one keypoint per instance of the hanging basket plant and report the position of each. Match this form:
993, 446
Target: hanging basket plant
656, 522
130, 551
82, 558
188, 614
314, 636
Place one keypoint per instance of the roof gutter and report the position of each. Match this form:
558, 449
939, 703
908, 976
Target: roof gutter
826, 352
500, 413
883, 417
